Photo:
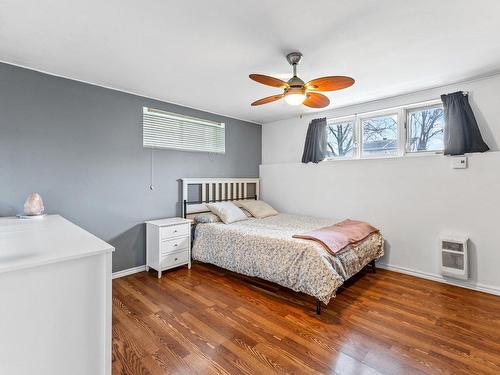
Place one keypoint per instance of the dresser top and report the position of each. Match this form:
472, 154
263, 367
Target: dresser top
26, 243
169, 221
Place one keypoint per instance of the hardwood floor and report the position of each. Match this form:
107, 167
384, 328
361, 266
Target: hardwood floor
210, 321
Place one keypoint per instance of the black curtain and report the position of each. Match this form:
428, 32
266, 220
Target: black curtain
316, 141
461, 133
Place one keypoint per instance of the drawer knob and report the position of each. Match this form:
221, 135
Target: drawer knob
176, 244
175, 259
175, 230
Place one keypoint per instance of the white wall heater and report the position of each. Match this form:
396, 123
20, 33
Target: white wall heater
454, 257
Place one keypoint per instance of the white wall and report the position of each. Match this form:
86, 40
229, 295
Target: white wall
412, 199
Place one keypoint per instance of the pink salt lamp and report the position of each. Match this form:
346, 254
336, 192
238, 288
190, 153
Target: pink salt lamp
33, 205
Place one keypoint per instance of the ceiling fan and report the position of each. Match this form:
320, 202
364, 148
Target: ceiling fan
296, 92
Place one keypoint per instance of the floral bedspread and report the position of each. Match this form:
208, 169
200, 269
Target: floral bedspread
265, 248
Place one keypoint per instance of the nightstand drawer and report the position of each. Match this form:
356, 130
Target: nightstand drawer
168, 246
174, 259
174, 231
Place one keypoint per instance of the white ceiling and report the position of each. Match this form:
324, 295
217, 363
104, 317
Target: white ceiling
199, 53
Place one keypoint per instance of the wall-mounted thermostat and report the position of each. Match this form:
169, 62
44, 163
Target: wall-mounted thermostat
459, 162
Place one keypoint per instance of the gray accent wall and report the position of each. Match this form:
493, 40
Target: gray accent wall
80, 147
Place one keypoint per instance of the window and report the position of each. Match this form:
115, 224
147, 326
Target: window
178, 132
425, 129
411, 129
340, 139
380, 135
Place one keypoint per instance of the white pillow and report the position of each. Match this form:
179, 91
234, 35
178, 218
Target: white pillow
259, 209
207, 217
227, 211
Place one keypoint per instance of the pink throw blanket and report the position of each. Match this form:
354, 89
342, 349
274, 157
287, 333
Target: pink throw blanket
338, 236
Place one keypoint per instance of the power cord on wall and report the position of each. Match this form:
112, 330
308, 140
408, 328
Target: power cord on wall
151, 185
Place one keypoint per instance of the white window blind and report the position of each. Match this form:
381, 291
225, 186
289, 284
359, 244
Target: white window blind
178, 132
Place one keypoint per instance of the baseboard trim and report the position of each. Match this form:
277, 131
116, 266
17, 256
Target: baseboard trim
439, 278
129, 271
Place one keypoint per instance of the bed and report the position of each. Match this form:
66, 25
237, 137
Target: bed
264, 248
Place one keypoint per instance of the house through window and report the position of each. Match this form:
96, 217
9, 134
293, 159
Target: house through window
380, 135
410, 129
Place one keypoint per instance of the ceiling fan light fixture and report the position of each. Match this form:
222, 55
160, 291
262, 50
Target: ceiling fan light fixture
295, 96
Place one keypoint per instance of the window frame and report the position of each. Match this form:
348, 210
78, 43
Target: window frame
408, 110
354, 136
382, 113
402, 113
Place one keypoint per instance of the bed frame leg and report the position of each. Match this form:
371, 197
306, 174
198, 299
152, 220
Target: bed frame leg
318, 307
374, 269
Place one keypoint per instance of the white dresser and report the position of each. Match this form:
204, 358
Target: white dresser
55, 288
168, 244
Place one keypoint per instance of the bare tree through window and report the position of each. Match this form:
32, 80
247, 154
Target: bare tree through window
426, 128
379, 133
340, 139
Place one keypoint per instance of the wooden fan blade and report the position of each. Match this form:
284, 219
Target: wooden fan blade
268, 99
314, 100
269, 81
331, 83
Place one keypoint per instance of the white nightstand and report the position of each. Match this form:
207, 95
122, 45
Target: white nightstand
168, 243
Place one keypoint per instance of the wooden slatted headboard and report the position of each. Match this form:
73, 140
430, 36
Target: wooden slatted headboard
216, 190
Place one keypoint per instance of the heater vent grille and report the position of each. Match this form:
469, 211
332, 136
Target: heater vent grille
454, 246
